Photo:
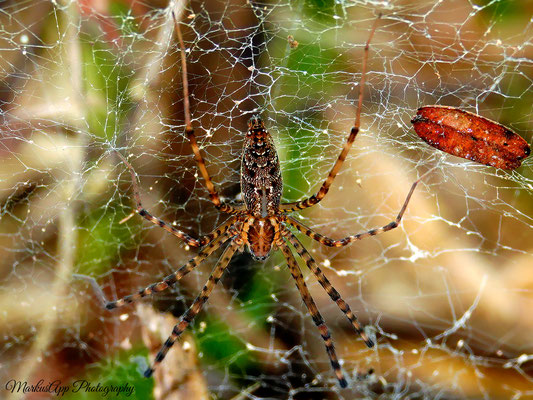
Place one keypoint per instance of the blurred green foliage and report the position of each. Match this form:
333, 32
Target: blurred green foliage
101, 239
106, 78
119, 371
106, 88
504, 10
310, 68
124, 18
221, 347
319, 10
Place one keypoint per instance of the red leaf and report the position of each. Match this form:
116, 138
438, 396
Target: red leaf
467, 135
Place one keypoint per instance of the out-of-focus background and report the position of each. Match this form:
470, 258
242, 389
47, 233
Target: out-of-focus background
448, 296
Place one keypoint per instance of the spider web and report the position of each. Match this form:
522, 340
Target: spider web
448, 295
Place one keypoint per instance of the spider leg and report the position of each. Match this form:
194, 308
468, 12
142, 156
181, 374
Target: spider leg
313, 310
172, 278
328, 287
165, 225
213, 195
158, 286
311, 201
353, 238
195, 308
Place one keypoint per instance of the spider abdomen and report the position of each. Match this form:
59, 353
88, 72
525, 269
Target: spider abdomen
261, 236
261, 182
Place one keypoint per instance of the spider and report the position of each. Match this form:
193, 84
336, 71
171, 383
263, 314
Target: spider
261, 223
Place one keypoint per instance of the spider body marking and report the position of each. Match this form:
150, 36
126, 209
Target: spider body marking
261, 185
261, 224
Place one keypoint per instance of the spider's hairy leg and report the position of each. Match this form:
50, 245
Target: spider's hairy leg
359, 236
311, 201
159, 222
174, 277
195, 308
313, 310
328, 287
213, 194
158, 286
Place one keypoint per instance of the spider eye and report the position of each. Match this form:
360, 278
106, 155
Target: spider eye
256, 122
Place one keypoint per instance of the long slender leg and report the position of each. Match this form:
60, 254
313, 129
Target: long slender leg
213, 195
158, 286
331, 291
195, 308
353, 238
165, 225
172, 278
313, 310
311, 201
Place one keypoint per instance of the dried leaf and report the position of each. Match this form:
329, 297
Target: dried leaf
471, 136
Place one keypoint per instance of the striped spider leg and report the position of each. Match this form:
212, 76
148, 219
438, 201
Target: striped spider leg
260, 224
311, 201
198, 303
359, 236
313, 310
169, 280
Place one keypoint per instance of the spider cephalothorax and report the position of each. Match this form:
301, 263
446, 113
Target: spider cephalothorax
262, 224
